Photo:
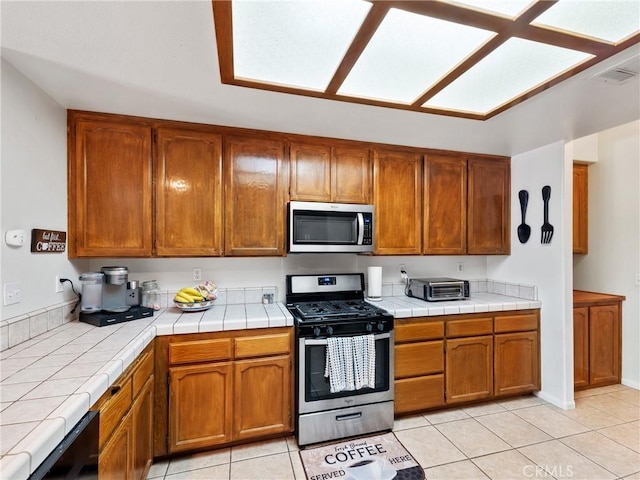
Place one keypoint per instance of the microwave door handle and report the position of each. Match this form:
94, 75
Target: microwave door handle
360, 228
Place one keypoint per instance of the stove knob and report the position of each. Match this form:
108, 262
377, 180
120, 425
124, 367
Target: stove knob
316, 331
329, 330
369, 327
380, 326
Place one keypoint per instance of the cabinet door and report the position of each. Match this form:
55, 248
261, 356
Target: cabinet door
350, 175
397, 196
254, 196
262, 397
200, 403
469, 369
580, 209
188, 193
310, 172
445, 205
488, 217
115, 459
110, 190
142, 430
516, 368
580, 347
604, 345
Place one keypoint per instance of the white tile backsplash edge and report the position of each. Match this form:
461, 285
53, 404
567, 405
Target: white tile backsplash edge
19, 329
517, 290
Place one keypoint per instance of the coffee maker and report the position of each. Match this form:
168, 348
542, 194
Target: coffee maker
114, 289
108, 297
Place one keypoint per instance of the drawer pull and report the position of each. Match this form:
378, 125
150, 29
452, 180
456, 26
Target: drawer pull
115, 389
351, 416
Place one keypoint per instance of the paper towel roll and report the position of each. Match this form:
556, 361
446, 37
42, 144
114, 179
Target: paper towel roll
374, 283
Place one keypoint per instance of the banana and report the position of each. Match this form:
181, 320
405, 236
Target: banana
191, 291
184, 297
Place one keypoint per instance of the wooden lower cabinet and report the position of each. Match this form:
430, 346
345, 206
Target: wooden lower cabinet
597, 338
469, 369
115, 461
200, 406
126, 423
262, 397
222, 388
455, 359
516, 367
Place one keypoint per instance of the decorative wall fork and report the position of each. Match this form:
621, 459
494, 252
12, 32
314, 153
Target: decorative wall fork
547, 228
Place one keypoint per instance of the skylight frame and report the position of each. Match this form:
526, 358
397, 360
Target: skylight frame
521, 26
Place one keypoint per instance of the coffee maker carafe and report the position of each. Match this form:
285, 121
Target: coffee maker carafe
114, 289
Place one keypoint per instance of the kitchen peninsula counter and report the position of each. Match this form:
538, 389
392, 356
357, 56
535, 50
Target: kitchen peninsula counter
51, 381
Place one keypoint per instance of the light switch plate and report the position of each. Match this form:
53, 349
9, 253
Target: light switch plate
11, 293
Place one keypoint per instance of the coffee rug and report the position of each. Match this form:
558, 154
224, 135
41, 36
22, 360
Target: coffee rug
378, 457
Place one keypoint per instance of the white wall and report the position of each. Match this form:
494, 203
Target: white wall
547, 266
34, 190
614, 235
253, 272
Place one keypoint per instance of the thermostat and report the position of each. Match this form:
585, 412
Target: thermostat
15, 238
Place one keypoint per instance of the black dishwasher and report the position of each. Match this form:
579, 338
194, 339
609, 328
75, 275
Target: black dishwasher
76, 456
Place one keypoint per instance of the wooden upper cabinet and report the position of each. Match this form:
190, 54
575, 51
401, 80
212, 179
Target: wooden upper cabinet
110, 174
310, 167
488, 209
445, 205
350, 175
255, 191
580, 208
188, 193
322, 173
397, 197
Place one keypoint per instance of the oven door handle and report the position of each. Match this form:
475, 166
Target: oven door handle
307, 341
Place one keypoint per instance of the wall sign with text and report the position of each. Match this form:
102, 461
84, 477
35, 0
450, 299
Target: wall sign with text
48, 241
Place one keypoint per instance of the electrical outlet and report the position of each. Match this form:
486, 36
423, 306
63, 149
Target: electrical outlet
59, 286
460, 267
197, 274
11, 293
638, 279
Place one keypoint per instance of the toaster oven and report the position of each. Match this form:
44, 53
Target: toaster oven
438, 289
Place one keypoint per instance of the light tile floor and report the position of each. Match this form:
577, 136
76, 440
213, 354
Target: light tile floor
523, 438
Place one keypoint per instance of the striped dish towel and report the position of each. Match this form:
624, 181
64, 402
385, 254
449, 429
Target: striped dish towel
350, 363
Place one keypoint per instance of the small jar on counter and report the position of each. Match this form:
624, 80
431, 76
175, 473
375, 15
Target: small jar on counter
151, 294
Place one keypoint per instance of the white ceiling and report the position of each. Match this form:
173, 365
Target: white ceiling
159, 59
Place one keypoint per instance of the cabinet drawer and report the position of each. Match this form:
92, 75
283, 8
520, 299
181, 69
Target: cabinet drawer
199, 351
466, 328
114, 409
142, 372
516, 323
420, 393
415, 359
408, 332
259, 345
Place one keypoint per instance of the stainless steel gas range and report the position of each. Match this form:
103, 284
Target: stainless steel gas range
331, 316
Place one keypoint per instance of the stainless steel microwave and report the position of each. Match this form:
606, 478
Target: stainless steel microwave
316, 227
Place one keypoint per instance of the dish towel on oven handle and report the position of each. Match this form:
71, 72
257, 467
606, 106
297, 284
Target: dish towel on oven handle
351, 363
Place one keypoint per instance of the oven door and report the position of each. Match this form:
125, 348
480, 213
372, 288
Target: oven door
314, 392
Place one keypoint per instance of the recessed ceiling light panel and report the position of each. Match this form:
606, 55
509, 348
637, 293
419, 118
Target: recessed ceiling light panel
293, 43
612, 20
408, 54
511, 70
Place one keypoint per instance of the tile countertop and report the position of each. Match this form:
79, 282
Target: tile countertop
49, 382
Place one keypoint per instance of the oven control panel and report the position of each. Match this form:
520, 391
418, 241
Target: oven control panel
350, 328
